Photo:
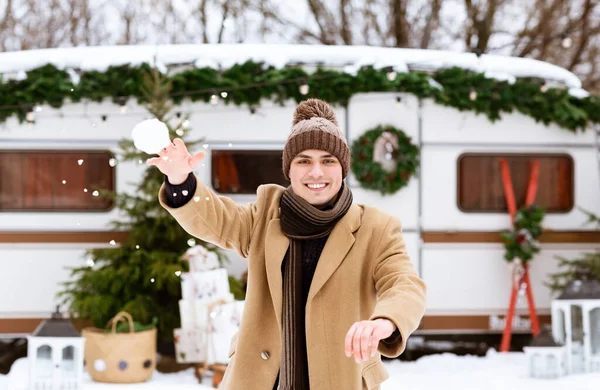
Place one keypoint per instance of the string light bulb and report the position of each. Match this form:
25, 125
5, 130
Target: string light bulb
30, 115
398, 100
473, 94
252, 113
214, 99
543, 87
123, 104
391, 74
304, 88
566, 41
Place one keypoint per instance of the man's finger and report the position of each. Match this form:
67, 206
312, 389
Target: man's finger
154, 161
349, 338
179, 144
196, 159
356, 342
365, 342
374, 344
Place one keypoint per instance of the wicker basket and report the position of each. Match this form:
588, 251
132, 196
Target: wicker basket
120, 357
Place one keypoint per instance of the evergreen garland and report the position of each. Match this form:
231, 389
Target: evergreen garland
371, 174
521, 243
250, 82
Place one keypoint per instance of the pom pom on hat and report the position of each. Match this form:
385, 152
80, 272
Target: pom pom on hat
314, 108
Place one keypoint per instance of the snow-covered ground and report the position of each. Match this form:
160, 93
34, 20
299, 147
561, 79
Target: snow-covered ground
444, 371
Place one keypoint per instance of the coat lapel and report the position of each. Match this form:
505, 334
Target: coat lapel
336, 248
276, 246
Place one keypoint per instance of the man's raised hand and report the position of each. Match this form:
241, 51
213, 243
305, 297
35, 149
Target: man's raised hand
176, 162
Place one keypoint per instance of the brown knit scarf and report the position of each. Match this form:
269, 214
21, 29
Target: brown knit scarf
301, 221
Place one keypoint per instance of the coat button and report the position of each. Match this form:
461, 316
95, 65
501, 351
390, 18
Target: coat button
265, 355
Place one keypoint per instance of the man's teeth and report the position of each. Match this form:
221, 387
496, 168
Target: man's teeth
315, 186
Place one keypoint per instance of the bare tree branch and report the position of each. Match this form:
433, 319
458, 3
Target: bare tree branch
584, 35
345, 30
324, 20
399, 26
432, 23
226, 7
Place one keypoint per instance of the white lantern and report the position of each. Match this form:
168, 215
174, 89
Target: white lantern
546, 357
576, 323
55, 355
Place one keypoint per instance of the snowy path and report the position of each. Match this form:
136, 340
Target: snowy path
445, 371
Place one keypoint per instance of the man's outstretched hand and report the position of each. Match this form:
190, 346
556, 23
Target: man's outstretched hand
363, 338
176, 162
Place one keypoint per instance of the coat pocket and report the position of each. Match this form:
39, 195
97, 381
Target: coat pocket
233, 344
373, 375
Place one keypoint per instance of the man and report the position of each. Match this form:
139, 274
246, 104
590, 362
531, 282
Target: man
330, 285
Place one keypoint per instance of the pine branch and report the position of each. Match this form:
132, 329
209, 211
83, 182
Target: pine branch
585, 266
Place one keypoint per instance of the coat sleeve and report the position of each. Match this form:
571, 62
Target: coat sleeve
401, 294
215, 219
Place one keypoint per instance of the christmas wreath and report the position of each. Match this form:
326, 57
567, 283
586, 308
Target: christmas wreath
521, 242
384, 159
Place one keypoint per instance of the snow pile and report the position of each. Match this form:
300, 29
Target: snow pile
496, 371
348, 58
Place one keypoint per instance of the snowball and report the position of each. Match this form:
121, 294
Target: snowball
150, 136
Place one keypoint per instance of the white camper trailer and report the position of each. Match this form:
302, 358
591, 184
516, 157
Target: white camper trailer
450, 211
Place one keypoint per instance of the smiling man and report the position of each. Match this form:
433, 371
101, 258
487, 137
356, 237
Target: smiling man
316, 176
330, 285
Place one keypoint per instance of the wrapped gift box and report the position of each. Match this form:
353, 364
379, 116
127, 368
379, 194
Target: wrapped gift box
213, 284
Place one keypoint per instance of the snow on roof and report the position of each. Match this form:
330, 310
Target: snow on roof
347, 58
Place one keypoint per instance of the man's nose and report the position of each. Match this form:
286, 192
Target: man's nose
316, 171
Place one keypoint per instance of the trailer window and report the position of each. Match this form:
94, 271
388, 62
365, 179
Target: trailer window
243, 171
55, 181
480, 187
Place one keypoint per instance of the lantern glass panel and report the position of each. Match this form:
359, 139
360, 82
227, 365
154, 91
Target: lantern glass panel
44, 361
576, 324
559, 325
577, 338
595, 330
68, 360
552, 366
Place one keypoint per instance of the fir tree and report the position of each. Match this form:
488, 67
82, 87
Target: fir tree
142, 274
586, 266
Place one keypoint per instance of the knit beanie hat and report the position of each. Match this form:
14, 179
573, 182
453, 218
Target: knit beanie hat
315, 127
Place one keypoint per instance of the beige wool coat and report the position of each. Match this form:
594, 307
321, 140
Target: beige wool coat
363, 273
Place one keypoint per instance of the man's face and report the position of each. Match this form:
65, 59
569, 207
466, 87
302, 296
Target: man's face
316, 176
